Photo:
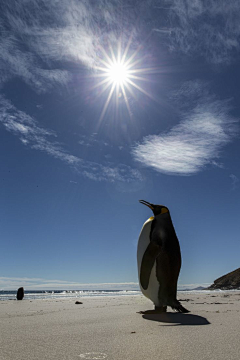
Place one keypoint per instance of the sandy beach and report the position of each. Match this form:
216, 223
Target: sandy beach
112, 328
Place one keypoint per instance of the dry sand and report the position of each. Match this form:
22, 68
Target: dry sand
110, 328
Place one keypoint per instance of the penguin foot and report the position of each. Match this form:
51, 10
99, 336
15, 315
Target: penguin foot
160, 309
157, 310
180, 308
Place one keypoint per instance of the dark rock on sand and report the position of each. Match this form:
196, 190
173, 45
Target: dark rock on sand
78, 302
20, 293
229, 281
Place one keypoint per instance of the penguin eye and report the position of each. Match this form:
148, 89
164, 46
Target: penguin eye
158, 210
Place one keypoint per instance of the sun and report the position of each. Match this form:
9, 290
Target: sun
121, 73
118, 73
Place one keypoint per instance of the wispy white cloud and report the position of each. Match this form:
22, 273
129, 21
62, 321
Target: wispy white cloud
13, 283
110, 172
16, 62
235, 181
92, 140
192, 144
31, 134
37, 37
192, 93
207, 28
27, 43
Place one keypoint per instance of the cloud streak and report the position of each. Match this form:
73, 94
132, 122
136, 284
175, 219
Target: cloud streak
208, 28
26, 128
194, 143
13, 283
37, 38
39, 33
235, 181
31, 134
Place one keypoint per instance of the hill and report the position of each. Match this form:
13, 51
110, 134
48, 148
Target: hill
227, 282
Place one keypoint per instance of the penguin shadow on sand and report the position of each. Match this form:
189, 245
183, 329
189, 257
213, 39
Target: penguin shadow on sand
174, 318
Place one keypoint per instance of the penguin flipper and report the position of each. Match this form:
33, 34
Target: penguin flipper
149, 257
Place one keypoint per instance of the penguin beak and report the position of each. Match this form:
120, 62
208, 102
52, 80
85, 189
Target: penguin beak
147, 204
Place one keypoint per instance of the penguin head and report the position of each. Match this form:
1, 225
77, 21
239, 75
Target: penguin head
157, 209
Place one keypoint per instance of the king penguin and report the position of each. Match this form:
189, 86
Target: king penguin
159, 260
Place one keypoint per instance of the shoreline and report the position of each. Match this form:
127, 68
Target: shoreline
79, 296
111, 327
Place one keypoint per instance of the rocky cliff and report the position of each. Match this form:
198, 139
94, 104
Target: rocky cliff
227, 282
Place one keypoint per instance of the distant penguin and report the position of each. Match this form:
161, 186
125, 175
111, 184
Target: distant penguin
20, 293
159, 259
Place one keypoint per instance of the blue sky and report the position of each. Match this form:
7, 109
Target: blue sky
73, 168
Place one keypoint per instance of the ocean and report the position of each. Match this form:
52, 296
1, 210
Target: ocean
80, 294
57, 294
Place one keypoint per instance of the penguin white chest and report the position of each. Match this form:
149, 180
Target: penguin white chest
153, 286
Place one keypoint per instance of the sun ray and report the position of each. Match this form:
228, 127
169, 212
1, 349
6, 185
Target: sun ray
106, 103
133, 55
100, 83
119, 58
130, 90
138, 78
114, 60
142, 90
109, 60
146, 70
104, 88
117, 96
134, 63
126, 100
127, 47
103, 69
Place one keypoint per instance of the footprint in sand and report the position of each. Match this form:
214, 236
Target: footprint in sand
93, 355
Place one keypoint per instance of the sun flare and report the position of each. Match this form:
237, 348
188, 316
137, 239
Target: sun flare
121, 73
118, 73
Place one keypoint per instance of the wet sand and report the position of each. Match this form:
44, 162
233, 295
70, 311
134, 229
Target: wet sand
112, 328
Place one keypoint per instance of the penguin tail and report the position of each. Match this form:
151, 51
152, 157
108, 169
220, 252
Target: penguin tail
180, 308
